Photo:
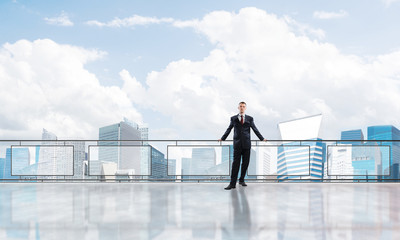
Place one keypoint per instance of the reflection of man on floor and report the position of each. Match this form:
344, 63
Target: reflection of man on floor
241, 217
241, 143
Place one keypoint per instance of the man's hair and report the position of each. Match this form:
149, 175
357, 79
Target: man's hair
243, 103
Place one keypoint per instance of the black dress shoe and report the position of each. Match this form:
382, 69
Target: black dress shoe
229, 187
243, 184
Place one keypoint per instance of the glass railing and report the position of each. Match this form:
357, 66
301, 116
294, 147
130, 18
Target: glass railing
197, 160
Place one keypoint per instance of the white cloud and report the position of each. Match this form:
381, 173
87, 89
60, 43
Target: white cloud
131, 86
129, 21
389, 2
330, 15
304, 29
301, 28
282, 74
46, 85
186, 23
61, 20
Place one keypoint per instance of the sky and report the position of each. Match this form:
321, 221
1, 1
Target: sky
182, 67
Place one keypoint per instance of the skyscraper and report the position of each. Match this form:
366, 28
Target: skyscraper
252, 169
79, 157
339, 162
303, 161
46, 135
267, 157
46, 163
227, 153
367, 160
356, 159
7, 166
144, 162
144, 132
388, 132
356, 135
2, 162
20, 161
128, 159
202, 160
201, 164
54, 159
171, 168
159, 165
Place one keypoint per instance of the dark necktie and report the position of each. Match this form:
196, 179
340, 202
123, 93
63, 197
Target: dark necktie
241, 119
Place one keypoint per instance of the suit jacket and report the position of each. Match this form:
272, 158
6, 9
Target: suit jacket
241, 133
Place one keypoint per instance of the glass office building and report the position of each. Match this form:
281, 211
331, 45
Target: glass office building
2, 165
356, 134
127, 160
388, 132
159, 165
357, 159
301, 160
305, 160
7, 166
20, 160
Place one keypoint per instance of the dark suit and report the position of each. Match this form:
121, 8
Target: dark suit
241, 144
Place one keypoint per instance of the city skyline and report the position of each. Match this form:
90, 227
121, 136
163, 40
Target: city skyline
351, 157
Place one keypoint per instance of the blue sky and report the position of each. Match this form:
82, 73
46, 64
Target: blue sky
370, 28
362, 30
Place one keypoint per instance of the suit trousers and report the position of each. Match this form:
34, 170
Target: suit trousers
238, 154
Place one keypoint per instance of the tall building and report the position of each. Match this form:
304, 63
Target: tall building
171, 167
20, 161
144, 132
144, 162
339, 162
356, 135
388, 132
303, 161
265, 159
367, 160
222, 168
201, 164
266, 156
2, 163
202, 160
252, 168
227, 153
46, 135
79, 157
128, 159
186, 167
7, 166
356, 159
47, 156
159, 165
54, 158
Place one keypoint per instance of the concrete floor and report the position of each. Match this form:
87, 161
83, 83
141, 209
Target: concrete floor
199, 211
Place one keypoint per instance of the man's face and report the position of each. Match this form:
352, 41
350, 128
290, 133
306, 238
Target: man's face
242, 108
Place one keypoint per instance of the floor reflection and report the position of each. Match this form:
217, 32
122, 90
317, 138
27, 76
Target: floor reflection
241, 216
199, 211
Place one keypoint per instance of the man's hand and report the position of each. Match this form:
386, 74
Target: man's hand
219, 140
265, 140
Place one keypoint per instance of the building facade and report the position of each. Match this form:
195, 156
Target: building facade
126, 152
390, 133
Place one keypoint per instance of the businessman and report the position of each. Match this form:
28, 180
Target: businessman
241, 143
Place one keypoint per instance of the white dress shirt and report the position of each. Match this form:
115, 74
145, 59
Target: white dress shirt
244, 117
